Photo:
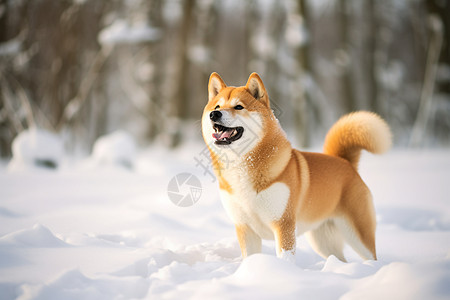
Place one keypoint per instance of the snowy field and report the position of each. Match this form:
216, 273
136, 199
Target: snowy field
101, 229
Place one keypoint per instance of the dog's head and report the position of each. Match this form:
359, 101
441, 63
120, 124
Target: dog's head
235, 117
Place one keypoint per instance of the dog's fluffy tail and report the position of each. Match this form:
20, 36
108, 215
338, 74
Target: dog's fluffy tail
355, 132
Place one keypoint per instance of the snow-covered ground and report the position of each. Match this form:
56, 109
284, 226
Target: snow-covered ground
109, 231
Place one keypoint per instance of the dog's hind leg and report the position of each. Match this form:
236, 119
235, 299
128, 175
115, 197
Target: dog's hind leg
249, 241
327, 240
361, 238
358, 223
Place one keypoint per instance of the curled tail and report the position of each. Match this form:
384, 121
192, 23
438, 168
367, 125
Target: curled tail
355, 132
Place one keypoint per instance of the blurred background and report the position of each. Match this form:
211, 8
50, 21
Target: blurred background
86, 68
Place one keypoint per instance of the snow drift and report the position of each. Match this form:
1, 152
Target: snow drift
80, 233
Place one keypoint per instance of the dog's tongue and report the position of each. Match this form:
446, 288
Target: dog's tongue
222, 134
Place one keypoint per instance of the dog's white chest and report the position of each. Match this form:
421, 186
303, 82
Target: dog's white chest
258, 210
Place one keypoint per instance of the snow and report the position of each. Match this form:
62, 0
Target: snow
115, 149
36, 148
11, 47
122, 32
113, 233
38, 236
172, 11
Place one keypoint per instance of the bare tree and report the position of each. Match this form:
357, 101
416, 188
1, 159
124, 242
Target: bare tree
344, 55
426, 98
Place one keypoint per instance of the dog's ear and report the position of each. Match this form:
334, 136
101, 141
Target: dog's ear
215, 85
256, 87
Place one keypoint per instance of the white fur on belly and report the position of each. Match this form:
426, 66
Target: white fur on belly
257, 210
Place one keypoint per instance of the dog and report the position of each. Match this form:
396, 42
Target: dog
272, 191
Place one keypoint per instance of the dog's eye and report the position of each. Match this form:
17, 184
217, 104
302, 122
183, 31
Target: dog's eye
238, 107
217, 107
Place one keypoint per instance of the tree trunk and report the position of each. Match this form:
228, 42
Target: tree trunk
371, 54
345, 57
305, 69
178, 77
426, 98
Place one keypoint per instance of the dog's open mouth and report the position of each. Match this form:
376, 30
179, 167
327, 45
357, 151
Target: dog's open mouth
226, 135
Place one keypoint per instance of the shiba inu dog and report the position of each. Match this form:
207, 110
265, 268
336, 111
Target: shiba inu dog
272, 191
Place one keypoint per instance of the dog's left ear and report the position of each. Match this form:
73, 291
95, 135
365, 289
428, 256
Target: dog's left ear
256, 87
215, 85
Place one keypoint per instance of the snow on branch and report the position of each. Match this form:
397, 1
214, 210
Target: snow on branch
121, 32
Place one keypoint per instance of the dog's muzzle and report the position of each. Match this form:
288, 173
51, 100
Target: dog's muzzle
224, 135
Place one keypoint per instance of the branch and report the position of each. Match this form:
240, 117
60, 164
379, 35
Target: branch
21, 95
73, 107
8, 106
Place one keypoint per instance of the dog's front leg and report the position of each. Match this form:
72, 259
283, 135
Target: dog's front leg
284, 231
249, 241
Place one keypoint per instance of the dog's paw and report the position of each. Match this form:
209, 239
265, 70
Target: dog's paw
287, 255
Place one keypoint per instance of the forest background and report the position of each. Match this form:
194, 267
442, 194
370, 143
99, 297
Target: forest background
86, 68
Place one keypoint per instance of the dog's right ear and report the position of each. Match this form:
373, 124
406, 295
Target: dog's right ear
215, 85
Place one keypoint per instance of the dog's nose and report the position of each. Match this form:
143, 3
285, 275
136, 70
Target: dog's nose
215, 115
